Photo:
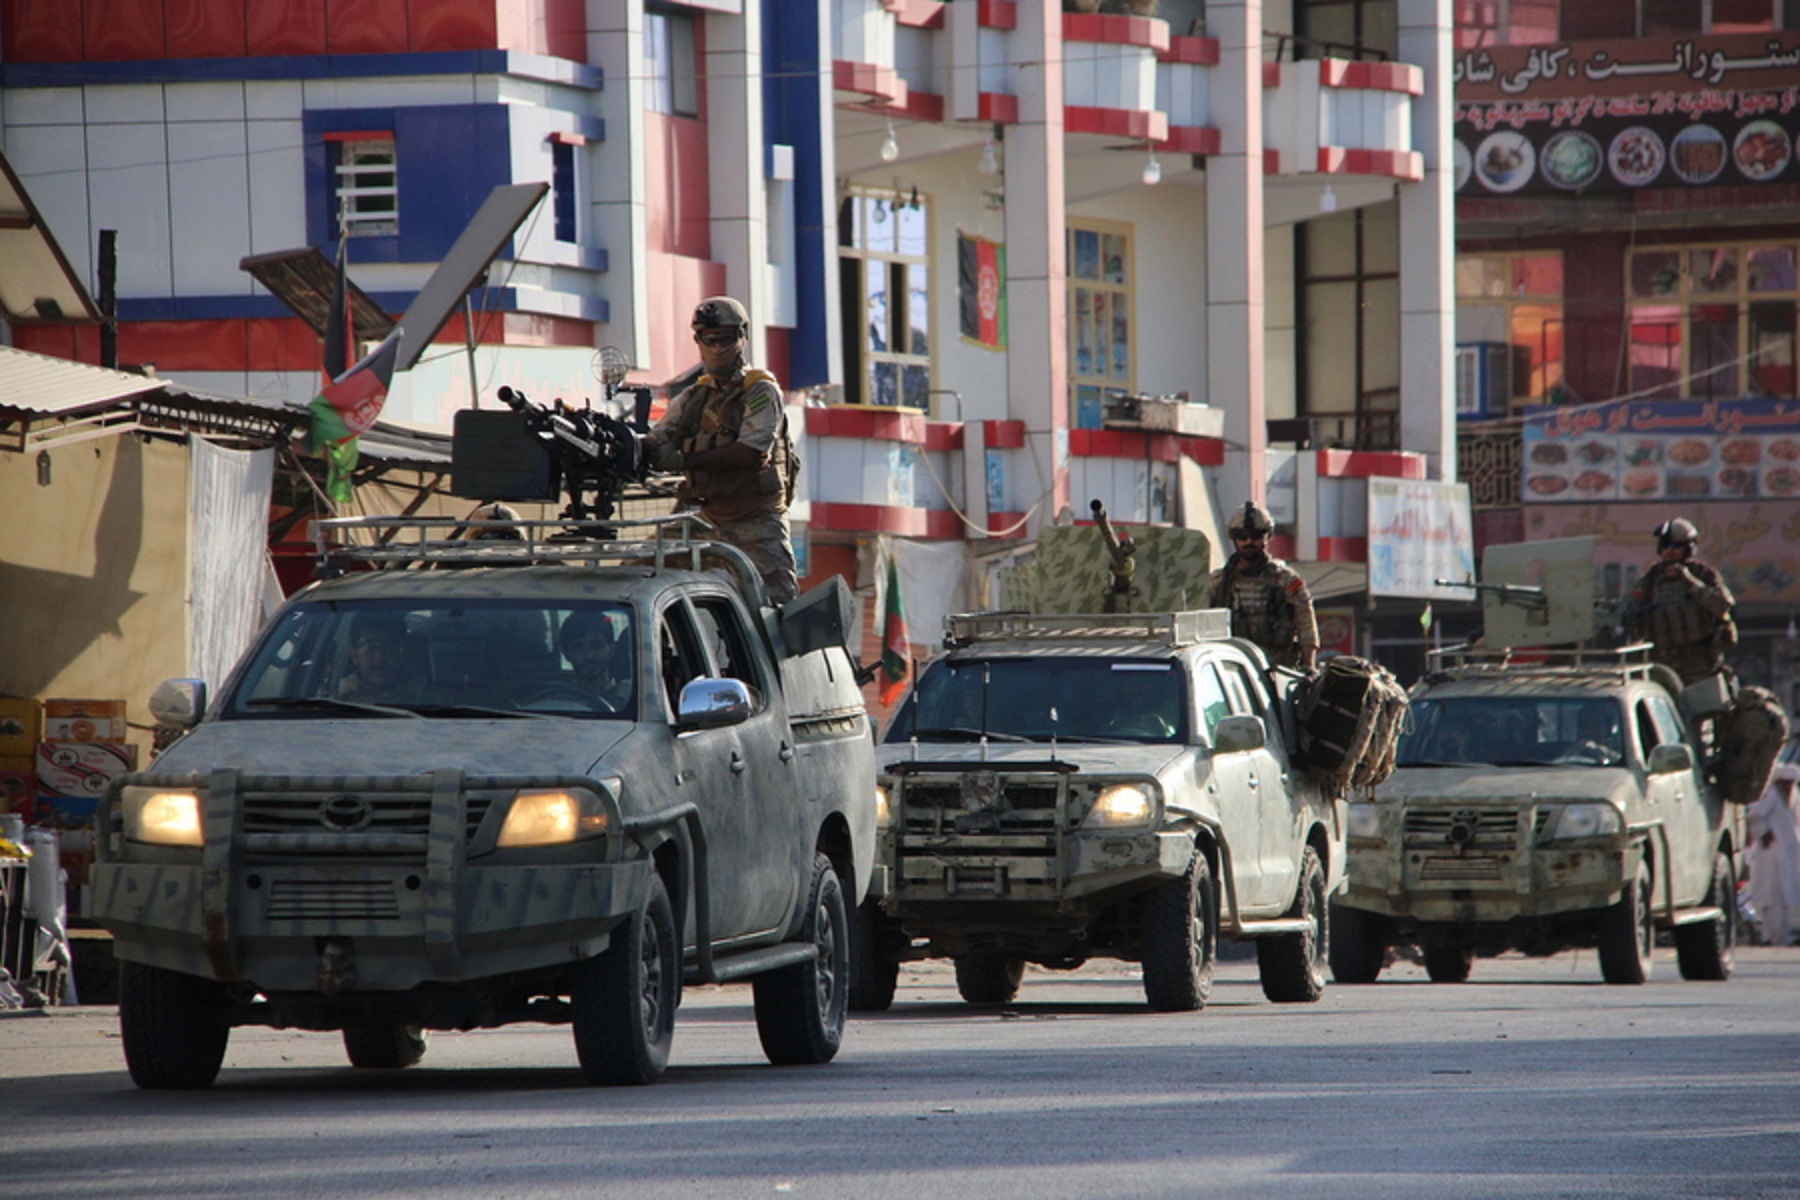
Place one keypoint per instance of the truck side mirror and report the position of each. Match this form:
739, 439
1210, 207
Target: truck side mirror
179, 702
1240, 733
1671, 757
712, 703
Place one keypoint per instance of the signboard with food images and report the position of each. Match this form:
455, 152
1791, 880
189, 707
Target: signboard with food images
1662, 450
1754, 544
1615, 116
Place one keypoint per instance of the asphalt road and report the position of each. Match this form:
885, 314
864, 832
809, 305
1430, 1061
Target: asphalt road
1533, 1080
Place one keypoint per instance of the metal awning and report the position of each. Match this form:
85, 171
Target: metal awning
305, 280
37, 284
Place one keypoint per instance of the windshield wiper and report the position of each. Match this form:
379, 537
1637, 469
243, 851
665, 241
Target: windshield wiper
328, 704
962, 733
467, 710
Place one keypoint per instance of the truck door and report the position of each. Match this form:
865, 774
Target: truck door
1681, 799
1279, 807
1224, 780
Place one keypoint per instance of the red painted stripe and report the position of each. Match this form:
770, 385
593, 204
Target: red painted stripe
1372, 76
998, 521
1361, 464
1136, 123
1271, 73
997, 14
1271, 162
568, 139
1191, 139
869, 79
918, 14
1207, 451
883, 518
918, 106
1116, 30
1003, 435
885, 425
359, 135
1395, 164
998, 107
1343, 549
943, 435
1194, 51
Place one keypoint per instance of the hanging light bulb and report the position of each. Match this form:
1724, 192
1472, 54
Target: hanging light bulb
990, 161
1152, 170
890, 145
1328, 202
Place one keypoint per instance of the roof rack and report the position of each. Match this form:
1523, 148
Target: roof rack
1169, 628
677, 541
1472, 662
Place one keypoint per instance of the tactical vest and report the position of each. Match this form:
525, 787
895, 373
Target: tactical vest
1672, 618
716, 421
1262, 610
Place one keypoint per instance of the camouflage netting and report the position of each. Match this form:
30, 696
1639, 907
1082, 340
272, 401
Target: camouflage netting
1071, 571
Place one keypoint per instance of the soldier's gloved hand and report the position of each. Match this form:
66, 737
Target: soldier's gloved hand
626, 449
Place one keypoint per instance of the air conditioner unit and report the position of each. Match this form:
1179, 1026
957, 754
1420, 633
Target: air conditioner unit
1483, 372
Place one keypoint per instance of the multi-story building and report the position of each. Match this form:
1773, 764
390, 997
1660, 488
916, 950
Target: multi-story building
1628, 221
1009, 257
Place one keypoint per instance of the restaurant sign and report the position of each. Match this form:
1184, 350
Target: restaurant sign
1677, 450
1617, 116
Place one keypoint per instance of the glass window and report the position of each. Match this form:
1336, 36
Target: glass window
1655, 351
1034, 700
368, 191
1742, 16
724, 636
1522, 295
1599, 22
884, 261
1722, 324
563, 189
1663, 18
669, 64
1213, 706
1100, 316
1531, 22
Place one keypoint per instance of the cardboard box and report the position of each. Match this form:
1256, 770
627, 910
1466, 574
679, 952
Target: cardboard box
84, 721
19, 793
21, 725
82, 769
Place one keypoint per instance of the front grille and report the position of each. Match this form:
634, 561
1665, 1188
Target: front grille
386, 813
331, 900
1485, 827
935, 807
1442, 868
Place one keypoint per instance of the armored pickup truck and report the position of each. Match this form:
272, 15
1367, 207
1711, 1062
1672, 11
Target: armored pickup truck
538, 779
1062, 788
1539, 806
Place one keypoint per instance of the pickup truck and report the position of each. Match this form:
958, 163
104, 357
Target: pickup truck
484, 832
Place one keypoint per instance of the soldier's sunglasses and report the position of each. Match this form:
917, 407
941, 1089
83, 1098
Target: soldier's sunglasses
718, 338
1249, 537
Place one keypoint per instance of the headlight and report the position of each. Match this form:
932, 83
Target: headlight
551, 818
1362, 821
161, 817
883, 814
1121, 806
1587, 821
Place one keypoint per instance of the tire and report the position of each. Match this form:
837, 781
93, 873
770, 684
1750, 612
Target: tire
1358, 945
385, 1047
174, 1027
1626, 936
800, 1009
1446, 962
988, 979
623, 999
1293, 964
1181, 939
874, 973
1704, 951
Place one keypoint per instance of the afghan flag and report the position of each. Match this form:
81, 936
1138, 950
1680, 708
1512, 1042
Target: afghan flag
981, 290
896, 651
346, 409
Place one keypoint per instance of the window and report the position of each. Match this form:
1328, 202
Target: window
730, 645
669, 64
1100, 319
1531, 22
368, 185
1714, 321
884, 248
1516, 299
564, 191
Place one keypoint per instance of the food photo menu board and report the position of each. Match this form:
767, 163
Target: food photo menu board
1656, 450
1600, 116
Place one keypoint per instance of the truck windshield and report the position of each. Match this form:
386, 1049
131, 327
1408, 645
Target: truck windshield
467, 657
1513, 731
1035, 700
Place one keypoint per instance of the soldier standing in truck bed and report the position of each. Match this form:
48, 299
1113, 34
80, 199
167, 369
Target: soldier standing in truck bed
1269, 603
728, 434
1682, 607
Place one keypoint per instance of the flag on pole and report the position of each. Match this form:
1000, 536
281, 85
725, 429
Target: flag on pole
338, 337
896, 651
1425, 619
346, 408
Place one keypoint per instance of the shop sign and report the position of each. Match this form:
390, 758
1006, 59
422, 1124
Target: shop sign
1579, 117
1419, 533
1662, 450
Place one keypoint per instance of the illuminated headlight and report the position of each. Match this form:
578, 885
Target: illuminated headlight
161, 817
1121, 806
1587, 821
883, 813
552, 818
1362, 821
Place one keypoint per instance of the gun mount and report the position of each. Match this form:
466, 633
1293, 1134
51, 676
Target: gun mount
1121, 553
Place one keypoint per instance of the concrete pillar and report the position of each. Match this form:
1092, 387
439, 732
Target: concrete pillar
1234, 250
1037, 360
1428, 248
616, 170
737, 161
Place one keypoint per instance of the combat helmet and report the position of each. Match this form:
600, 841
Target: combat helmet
720, 312
1251, 518
1678, 532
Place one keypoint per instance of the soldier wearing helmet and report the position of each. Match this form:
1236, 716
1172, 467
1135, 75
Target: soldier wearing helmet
728, 434
1269, 603
1682, 607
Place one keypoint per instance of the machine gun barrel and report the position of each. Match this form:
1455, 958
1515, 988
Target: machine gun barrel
1523, 595
1123, 566
551, 422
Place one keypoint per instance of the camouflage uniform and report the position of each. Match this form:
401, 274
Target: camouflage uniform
1270, 606
1685, 615
748, 507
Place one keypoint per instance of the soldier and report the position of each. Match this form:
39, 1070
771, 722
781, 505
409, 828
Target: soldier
1269, 603
1682, 607
728, 433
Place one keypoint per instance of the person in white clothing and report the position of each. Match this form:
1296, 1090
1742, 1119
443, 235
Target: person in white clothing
1773, 857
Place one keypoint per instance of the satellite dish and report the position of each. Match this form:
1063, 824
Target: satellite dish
1538, 593
610, 367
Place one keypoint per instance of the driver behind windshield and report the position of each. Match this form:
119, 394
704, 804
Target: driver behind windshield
380, 661
602, 666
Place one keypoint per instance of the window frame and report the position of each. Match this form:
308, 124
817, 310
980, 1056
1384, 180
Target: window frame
904, 273
356, 192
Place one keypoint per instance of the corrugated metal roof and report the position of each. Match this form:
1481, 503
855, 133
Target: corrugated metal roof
38, 384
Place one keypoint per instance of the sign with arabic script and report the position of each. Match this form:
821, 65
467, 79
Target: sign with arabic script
1419, 532
1662, 450
1617, 116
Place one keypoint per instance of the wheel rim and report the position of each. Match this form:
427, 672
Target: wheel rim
652, 977
1315, 926
1646, 937
827, 975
